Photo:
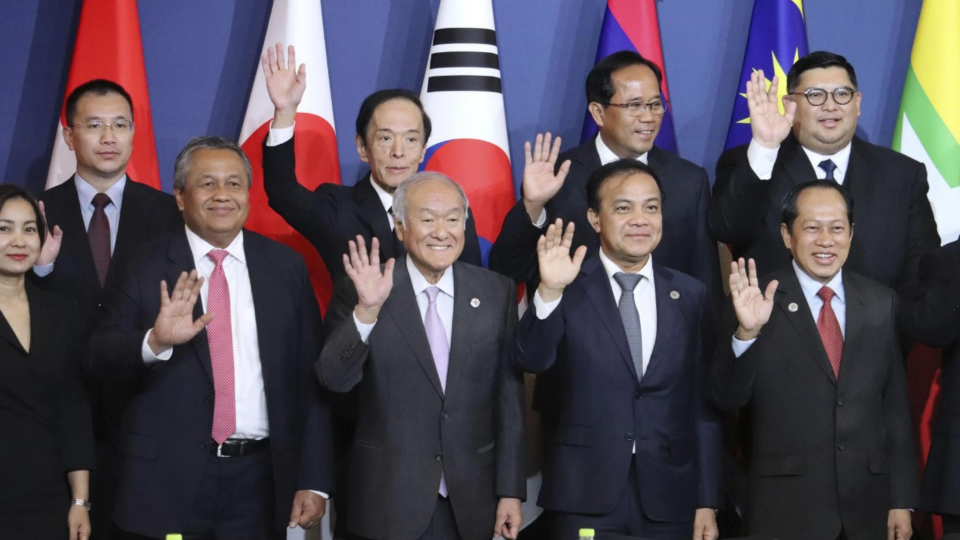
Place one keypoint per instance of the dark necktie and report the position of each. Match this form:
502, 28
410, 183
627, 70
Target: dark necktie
828, 167
98, 232
829, 329
631, 318
398, 248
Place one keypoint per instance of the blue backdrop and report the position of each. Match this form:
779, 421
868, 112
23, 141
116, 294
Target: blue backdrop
201, 57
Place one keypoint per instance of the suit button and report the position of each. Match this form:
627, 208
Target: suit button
842, 446
444, 416
438, 457
636, 394
839, 402
629, 437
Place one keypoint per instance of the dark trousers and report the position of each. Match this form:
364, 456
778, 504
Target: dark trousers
235, 502
626, 518
951, 523
442, 526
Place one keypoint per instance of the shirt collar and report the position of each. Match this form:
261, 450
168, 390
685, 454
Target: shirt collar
421, 284
607, 155
386, 199
611, 267
86, 191
841, 159
811, 286
200, 247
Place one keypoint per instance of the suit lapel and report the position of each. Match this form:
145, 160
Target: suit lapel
8, 335
464, 290
795, 162
262, 286
76, 242
667, 313
403, 309
371, 211
181, 258
131, 223
794, 307
587, 157
857, 180
596, 283
856, 314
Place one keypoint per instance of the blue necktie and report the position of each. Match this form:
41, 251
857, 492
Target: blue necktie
828, 167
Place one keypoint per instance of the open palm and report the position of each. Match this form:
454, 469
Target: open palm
768, 125
557, 267
753, 306
285, 84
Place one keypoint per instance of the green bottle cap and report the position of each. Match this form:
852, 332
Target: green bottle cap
174, 537
588, 533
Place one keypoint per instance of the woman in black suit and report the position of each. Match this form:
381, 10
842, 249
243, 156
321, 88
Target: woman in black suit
47, 445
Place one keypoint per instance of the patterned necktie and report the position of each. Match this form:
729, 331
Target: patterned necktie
98, 232
829, 329
437, 336
828, 167
631, 317
220, 340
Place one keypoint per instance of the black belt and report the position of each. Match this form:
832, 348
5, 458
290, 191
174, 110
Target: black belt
238, 447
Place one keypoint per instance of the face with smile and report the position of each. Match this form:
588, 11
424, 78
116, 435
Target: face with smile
19, 238
434, 229
827, 128
215, 199
629, 136
629, 221
102, 155
395, 144
820, 236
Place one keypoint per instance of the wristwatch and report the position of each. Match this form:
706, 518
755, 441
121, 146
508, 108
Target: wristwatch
82, 502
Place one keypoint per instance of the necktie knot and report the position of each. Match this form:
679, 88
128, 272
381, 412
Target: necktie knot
432, 293
828, 167
101, 200
627, 282
826, 294
218, 255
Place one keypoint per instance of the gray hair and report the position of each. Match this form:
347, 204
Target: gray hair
402, 193
206, 142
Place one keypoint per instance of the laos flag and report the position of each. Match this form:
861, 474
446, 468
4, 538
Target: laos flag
463, 94
632, 25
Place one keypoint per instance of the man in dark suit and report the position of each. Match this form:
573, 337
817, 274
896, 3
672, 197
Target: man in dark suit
623, 93
227, 427
815, 356
637, 448
438, 452
392, 134
814, 137
96, 238
934, 320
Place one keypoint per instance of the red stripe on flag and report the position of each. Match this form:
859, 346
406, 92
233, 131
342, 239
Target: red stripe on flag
638, 19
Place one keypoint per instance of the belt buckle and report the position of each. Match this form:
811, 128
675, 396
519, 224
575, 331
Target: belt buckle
220, 450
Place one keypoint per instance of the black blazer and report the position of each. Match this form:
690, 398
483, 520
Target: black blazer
935, 321
826, 454
408, 430
893, 221
604, 410
332, 215
687, 244
166, 428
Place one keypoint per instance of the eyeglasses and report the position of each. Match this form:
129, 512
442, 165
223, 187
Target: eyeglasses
635, 108
99, 126
818, 96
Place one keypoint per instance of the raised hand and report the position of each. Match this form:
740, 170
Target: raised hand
51, 247
557, 268
372, 284
752, 306
285, 83
540, 183
175, 324
769, 127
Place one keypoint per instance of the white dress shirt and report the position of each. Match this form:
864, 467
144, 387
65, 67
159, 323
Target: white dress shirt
606, 156
251, 400
420, 285
810, 288
761, 160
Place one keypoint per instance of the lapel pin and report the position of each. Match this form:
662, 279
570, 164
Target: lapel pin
475, 302
793, 307
674, 295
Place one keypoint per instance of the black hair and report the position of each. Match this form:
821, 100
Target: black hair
789, 211
599, 85
97, 87
374, 100
9, 192
621, 167
818, 60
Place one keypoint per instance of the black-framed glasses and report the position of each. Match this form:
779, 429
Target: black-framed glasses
636, 108
119, 125
818, 96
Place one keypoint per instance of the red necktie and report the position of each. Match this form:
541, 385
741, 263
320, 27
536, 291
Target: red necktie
829, 330
220, 340
98, 232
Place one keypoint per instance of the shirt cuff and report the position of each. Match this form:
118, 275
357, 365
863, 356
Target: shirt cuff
541, 219
148, 356
740, 347
320, 493
43, 270
276, 137
761, 159
364, 329
544, 309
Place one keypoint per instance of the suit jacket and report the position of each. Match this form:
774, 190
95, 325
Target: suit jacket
893, 221
166, 428
827, 453
935, 321
333, 214
604, 410
687, 244
408, 430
